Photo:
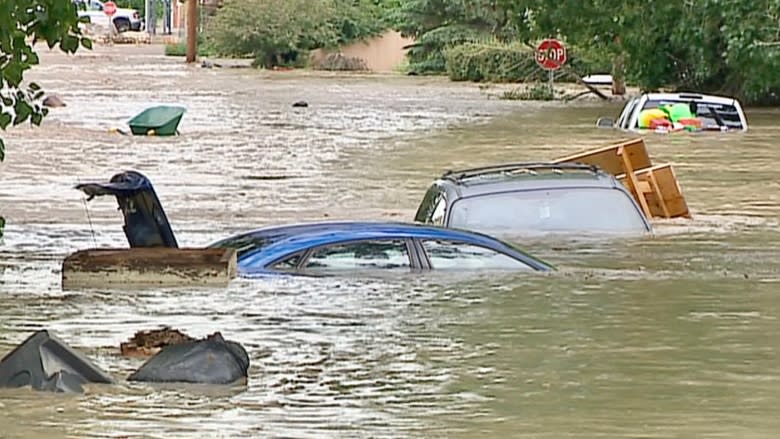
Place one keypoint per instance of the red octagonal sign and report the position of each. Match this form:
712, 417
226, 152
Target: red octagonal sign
109, 8
550, 54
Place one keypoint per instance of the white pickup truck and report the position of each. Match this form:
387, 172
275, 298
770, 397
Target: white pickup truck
124, 19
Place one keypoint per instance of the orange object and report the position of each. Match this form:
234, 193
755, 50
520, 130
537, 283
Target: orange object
691, 122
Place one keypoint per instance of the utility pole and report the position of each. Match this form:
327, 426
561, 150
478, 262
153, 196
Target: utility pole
192, 30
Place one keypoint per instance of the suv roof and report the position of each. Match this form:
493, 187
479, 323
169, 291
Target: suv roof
474, 181
698, 97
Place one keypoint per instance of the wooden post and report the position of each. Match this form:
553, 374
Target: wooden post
192, 30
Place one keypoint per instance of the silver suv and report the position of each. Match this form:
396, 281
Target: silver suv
533, 198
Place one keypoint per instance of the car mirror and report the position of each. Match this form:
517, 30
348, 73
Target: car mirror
605, 122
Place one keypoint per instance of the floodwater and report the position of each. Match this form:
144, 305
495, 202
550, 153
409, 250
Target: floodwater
670, 336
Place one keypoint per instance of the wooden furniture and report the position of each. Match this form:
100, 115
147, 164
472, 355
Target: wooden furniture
655, 188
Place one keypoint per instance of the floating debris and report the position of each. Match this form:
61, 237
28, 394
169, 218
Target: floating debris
212, 360
44, 362
150, 342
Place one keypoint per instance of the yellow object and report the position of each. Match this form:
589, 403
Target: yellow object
645, 116
113, 130
150, 133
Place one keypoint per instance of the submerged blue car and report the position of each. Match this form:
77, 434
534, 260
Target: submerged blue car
321, 247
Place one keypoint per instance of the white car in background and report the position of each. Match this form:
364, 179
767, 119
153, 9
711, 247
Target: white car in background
717, 113
124, 19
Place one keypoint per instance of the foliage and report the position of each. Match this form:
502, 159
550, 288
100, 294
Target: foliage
428, 53
494, 62
180, 48
509, 62
437, 25
730, 47
340, 62
52, 21
533, 92
276, 32
705, 45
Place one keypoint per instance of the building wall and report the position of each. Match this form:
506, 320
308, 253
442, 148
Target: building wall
381, 54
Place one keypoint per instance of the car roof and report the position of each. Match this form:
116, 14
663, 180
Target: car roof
288, 239
687, 97
527, 176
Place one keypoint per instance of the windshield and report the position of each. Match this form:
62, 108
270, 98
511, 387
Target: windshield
712, 115
550, 210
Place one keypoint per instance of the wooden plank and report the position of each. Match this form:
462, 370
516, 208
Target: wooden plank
157, 266
666, 199
610, 158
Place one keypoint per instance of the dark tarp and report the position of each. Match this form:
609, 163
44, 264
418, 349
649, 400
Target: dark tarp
210, 361
146, 224
45, 362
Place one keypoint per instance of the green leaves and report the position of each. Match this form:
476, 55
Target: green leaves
69, 43
274, 31
5, 120
53, 21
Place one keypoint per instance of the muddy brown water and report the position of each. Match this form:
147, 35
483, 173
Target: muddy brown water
674, 335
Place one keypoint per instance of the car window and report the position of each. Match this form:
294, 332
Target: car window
710, 114
439, 211
249, 242
628, 110
287, 264
550, 210
375, 254
446, 254
432, 206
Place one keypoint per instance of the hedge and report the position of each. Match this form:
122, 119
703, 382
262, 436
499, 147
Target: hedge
513, 62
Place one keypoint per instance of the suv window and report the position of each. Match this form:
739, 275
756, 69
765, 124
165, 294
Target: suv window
433, 207
628, 111
550, 210
711, 114
374, 254
446, 254
439, 211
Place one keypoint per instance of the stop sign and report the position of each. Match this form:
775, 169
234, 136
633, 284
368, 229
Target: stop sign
109, 8
550, 54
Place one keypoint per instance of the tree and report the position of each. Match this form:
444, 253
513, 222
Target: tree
22, 24
437, 25
276, 32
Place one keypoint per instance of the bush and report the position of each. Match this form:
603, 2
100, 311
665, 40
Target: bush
492, 62
340, 62
180, 48
514, 62
533, 92
282, 32
426, 55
